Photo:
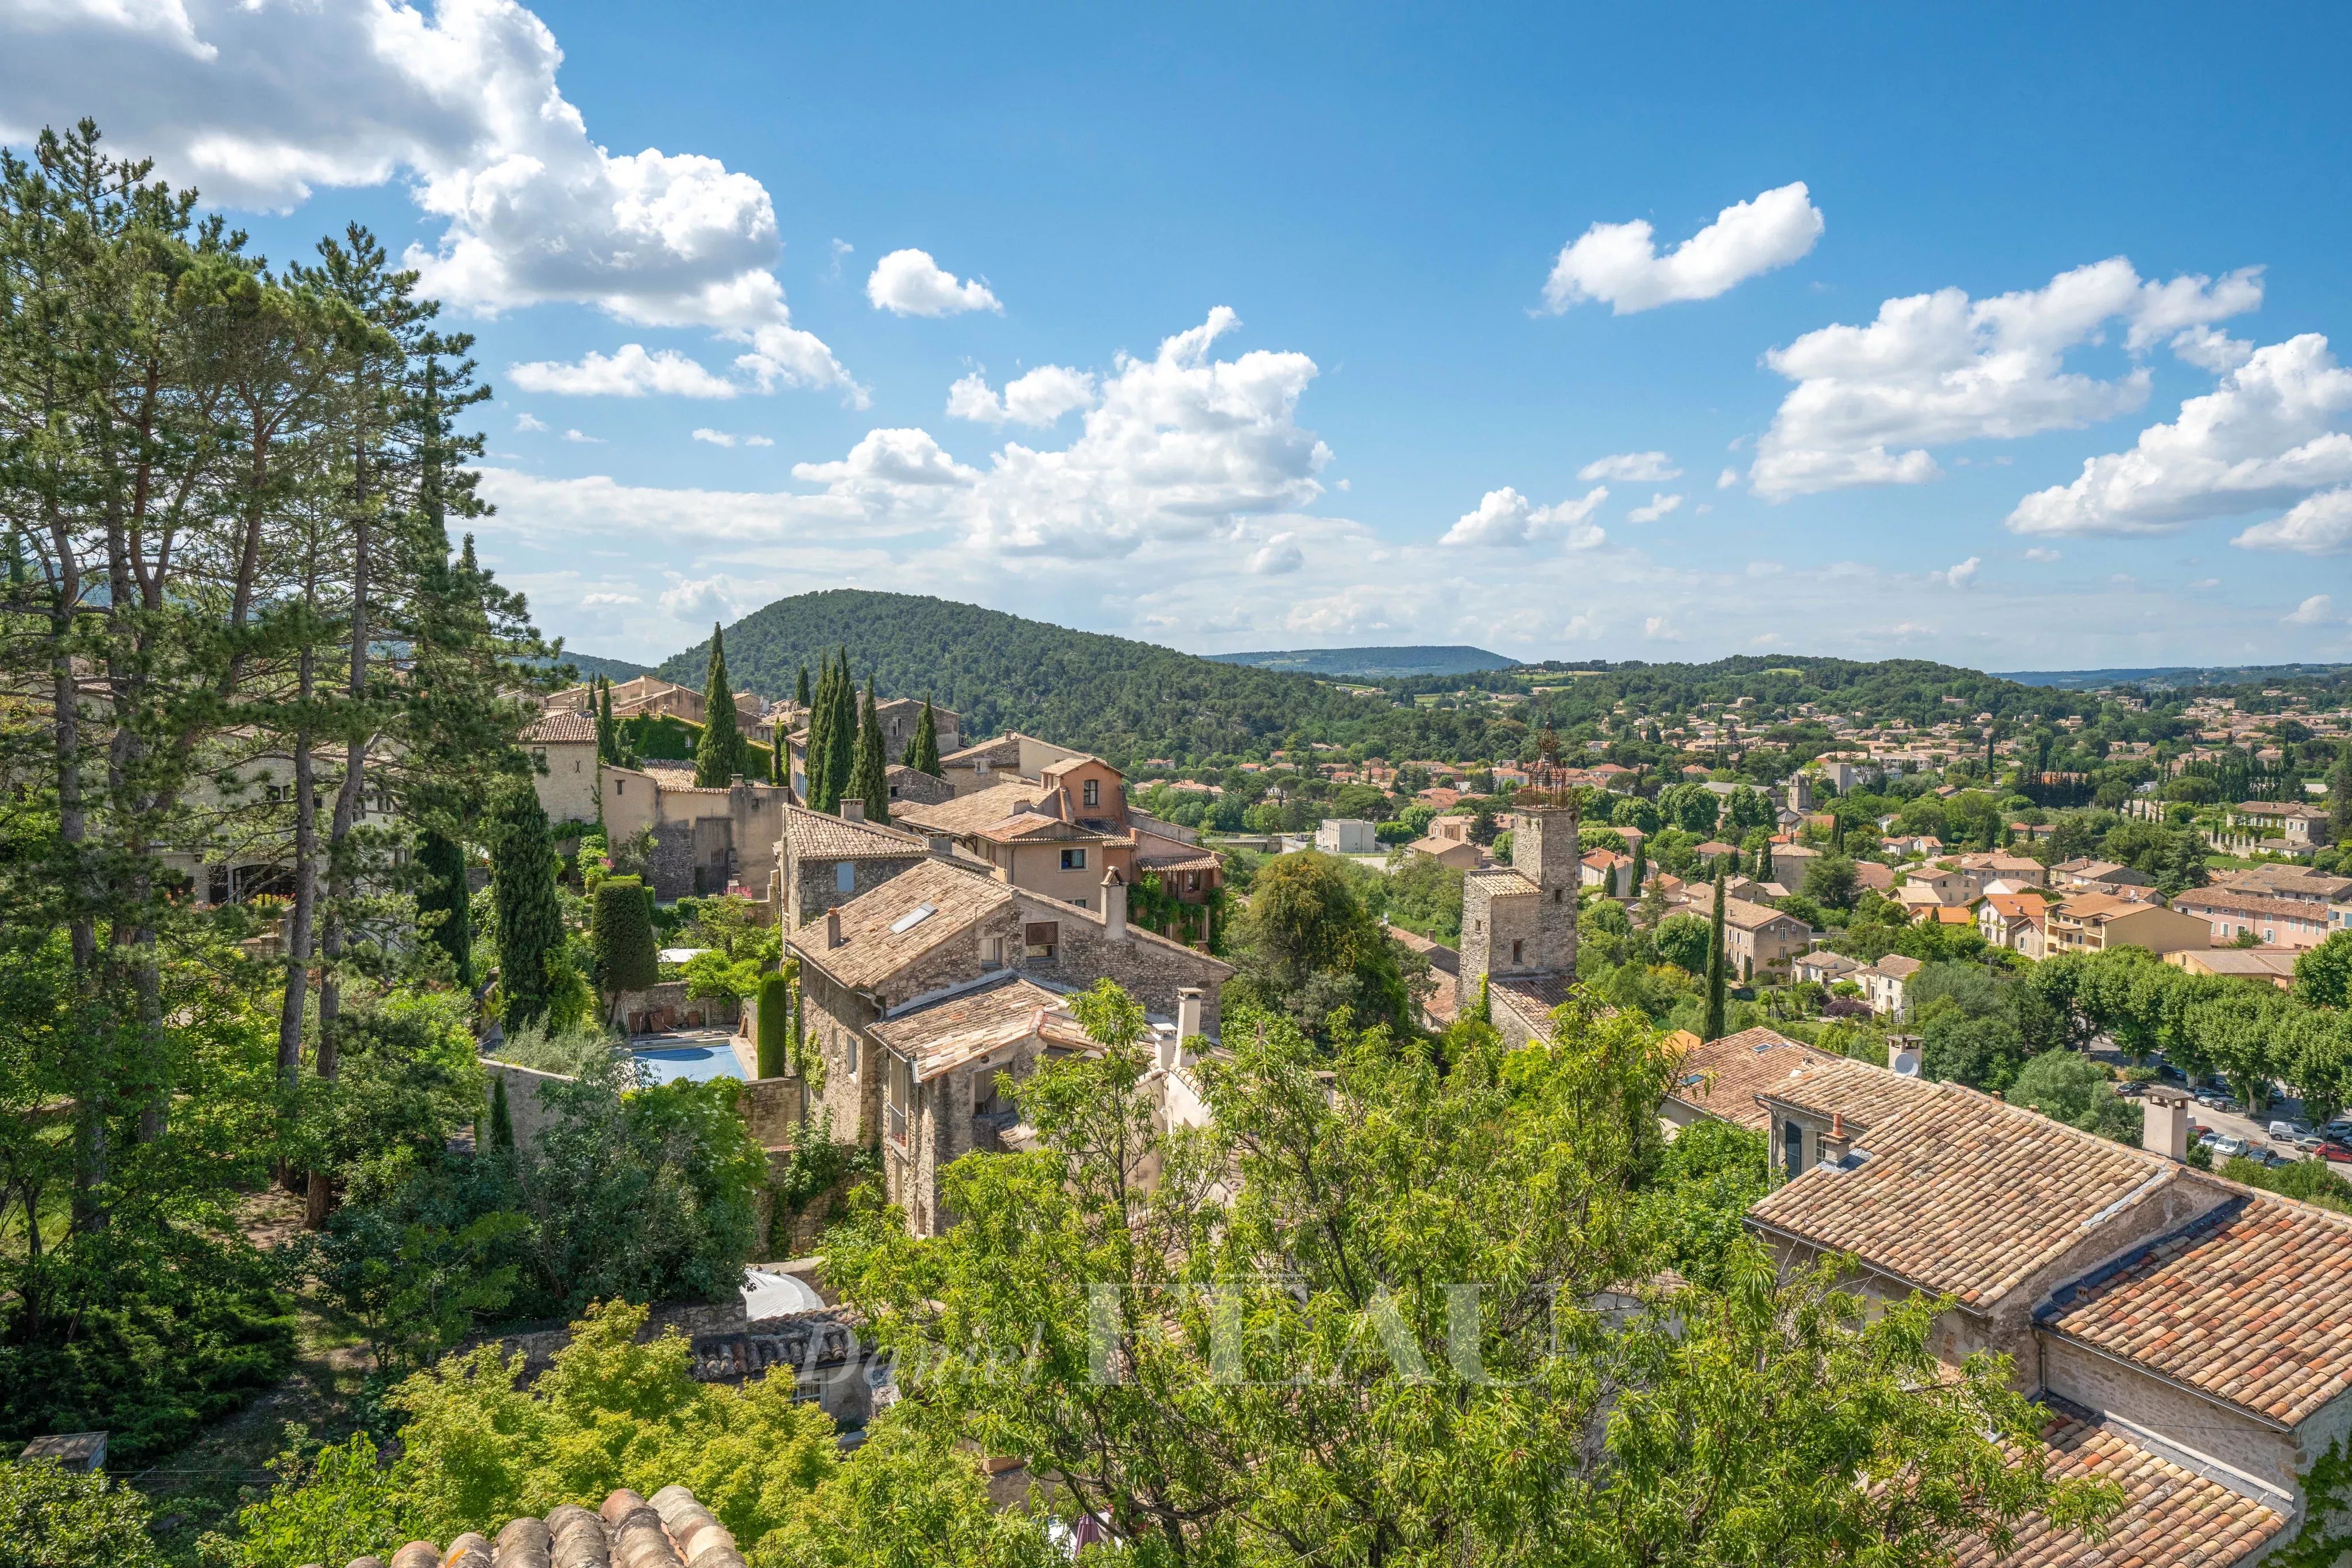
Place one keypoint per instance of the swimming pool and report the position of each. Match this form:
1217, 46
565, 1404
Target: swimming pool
693, 1063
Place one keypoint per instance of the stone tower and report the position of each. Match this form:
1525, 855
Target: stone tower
1543, 851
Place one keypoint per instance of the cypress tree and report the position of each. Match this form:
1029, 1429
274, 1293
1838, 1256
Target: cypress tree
621, 932
801, 692
775, 1024
1483, 1010
608, 746
820, 741
502, 1138
923, 746
779, 752
443, 893
718, 756
1713, 1029
841, 754
531, 921
1641, 867
871, 780
2339, 802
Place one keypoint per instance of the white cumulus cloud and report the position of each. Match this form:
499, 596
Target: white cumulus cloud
630, 371
1619, 263
1935, 369
2041, 553
1963, 574
1277, 555
2316, 525
2317, 610
2262, 438
1505, 519
1658, 507
1038, 398
582, 438
723, 438
258, 102
1632, 467
526, 422
909, 283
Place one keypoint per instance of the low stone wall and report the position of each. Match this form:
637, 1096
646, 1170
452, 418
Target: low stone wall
772, 1109
524, 1107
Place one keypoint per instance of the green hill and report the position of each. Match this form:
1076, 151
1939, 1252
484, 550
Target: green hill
590, 665
1124, 699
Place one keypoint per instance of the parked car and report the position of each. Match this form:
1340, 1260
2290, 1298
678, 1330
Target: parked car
2129, 1090
2229, 1145
2215, 1100
2335, 1149
2309, 1142
2286, 1132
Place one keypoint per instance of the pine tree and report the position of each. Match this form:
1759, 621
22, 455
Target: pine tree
442, 893
718, 756
923, 746
871, 780
530, 920
1716, 963
775, 1024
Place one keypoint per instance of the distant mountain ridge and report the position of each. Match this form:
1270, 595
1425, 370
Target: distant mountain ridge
2170, 675
591, 666
1375, 663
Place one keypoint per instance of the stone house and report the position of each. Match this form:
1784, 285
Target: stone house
1059, 833
562, 742
1885, 985
1791, 862
652, 696
2096, 876
941, 930
2296, 825
2095, 921
1012, 755
1760, 940
705, 839
1459, 853
899, 717
1722, 1078
913, 786
822, 862
2190, 1338
1519, 924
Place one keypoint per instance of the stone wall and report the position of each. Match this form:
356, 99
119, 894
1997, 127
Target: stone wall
1153, 968
668, 1007
524, 1107
772, 1109
815, 885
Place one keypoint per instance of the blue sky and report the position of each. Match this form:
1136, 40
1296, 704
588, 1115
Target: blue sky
1332, 323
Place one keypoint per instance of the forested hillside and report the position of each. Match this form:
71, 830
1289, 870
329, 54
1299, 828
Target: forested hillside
1122, 698
1131, 701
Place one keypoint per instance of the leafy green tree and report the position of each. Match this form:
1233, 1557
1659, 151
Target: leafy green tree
908, 1497
1718, 966
1831, 882
1683, 940
51, 1518
622, 932
775, 1024
2323, 974
1308, 947
2072, 1088
869, 780
718, 755
523, 868
1258, 1357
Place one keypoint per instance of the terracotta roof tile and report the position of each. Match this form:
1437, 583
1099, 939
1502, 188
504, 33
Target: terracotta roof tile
945, 1035
2171, 1517
1958, 1193
2251, 1304
671, 1529
561, 728
970, 814
1721, 1077
818, 835
871, 952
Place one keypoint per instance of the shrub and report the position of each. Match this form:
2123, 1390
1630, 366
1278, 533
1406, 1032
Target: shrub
624, 935
50, 1518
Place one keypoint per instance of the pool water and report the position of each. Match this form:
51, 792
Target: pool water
691, 1063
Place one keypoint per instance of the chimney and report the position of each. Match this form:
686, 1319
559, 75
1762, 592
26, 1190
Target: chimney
1114, 905
832, 929
2164, 1127
1188, 1021
1902, 1055
853, 810
1836, 1142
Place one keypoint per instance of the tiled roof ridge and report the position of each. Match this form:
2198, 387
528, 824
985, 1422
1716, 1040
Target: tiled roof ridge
914, 842
2064, 1298
671, 1530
